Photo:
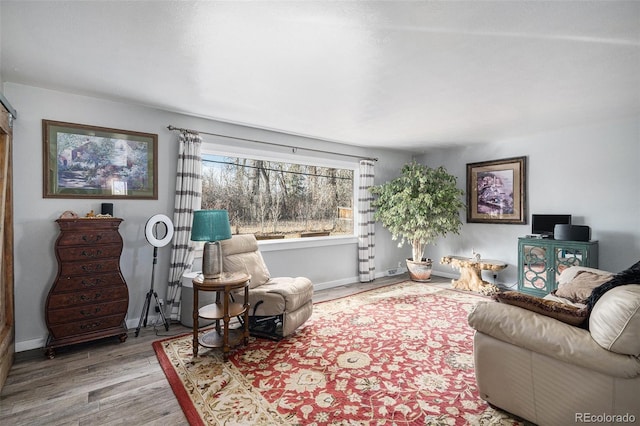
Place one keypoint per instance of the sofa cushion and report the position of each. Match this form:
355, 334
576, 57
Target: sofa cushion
580, 287
615, 320
562, 312
569, 274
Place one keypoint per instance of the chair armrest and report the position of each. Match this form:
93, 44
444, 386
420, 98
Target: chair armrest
550, 337
295, 291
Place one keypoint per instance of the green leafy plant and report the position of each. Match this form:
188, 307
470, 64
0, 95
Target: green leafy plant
419, 206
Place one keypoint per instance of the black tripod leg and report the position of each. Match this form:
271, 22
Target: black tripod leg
161, 309
148, 305
145, 307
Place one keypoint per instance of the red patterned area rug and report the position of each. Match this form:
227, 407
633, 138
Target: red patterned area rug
397, 355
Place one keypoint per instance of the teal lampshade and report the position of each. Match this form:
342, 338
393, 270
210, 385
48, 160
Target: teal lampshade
210, 225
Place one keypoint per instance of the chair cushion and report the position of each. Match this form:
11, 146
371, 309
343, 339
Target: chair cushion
615, 320
241, 255
264, 303
245, 243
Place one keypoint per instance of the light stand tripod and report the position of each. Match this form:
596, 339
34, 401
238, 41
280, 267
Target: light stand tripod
151, 236
147, 302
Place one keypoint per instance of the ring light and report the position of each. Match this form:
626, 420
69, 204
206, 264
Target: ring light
151, 227
150, 233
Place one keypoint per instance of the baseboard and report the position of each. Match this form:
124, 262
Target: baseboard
343, 281
336, 283
452, 275
28, 345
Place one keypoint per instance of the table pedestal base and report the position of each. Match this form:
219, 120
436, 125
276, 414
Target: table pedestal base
470, 275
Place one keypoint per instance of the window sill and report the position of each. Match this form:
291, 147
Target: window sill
308, 242
297, 243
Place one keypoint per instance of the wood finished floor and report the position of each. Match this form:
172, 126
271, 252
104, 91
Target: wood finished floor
106, 382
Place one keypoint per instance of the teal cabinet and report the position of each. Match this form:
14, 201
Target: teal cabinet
540, 262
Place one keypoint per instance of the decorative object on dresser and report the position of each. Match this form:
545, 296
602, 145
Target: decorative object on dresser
107, 209
89, 297
541, 261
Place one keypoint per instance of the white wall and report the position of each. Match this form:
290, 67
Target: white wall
36, 230
591, 172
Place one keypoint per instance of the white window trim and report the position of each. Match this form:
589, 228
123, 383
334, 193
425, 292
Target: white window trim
217, 146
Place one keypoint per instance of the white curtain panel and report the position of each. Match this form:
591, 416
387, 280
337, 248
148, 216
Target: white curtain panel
366, 224
188, 198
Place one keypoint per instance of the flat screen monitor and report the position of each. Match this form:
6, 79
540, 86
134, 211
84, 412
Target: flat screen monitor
543, 224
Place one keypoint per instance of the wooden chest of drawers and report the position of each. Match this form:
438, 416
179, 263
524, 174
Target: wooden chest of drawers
89, 298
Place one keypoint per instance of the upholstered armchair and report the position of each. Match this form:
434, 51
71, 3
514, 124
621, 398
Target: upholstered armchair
278, 305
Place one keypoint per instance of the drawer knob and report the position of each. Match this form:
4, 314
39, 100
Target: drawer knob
92, 325
95, 297
91, 238
91, 283
89, 268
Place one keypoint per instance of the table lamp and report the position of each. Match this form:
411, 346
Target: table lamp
211, 226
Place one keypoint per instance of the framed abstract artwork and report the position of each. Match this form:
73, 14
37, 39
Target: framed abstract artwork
81, 161
496, 191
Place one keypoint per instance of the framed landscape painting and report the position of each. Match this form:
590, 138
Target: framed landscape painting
496, 191
81, 161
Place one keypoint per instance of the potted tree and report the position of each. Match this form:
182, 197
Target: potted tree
419, 206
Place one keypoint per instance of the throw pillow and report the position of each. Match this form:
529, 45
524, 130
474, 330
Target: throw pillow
566, 313
580, 287
630, 275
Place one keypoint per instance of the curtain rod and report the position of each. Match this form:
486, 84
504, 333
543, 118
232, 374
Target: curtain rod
293, 148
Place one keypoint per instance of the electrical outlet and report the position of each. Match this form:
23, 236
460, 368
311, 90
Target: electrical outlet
159, 305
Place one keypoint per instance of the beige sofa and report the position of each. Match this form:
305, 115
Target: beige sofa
552, 373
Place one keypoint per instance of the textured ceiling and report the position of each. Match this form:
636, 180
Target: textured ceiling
405, 75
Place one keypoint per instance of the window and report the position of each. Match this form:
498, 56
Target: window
278, 199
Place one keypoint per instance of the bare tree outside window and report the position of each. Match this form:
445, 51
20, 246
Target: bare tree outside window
279, 200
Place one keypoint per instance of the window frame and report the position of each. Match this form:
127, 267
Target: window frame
220, 146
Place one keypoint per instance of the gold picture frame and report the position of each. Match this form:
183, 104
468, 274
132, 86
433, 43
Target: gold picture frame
496, 191
81, 161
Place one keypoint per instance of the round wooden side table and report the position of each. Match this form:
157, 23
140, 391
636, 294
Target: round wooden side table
223, 309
